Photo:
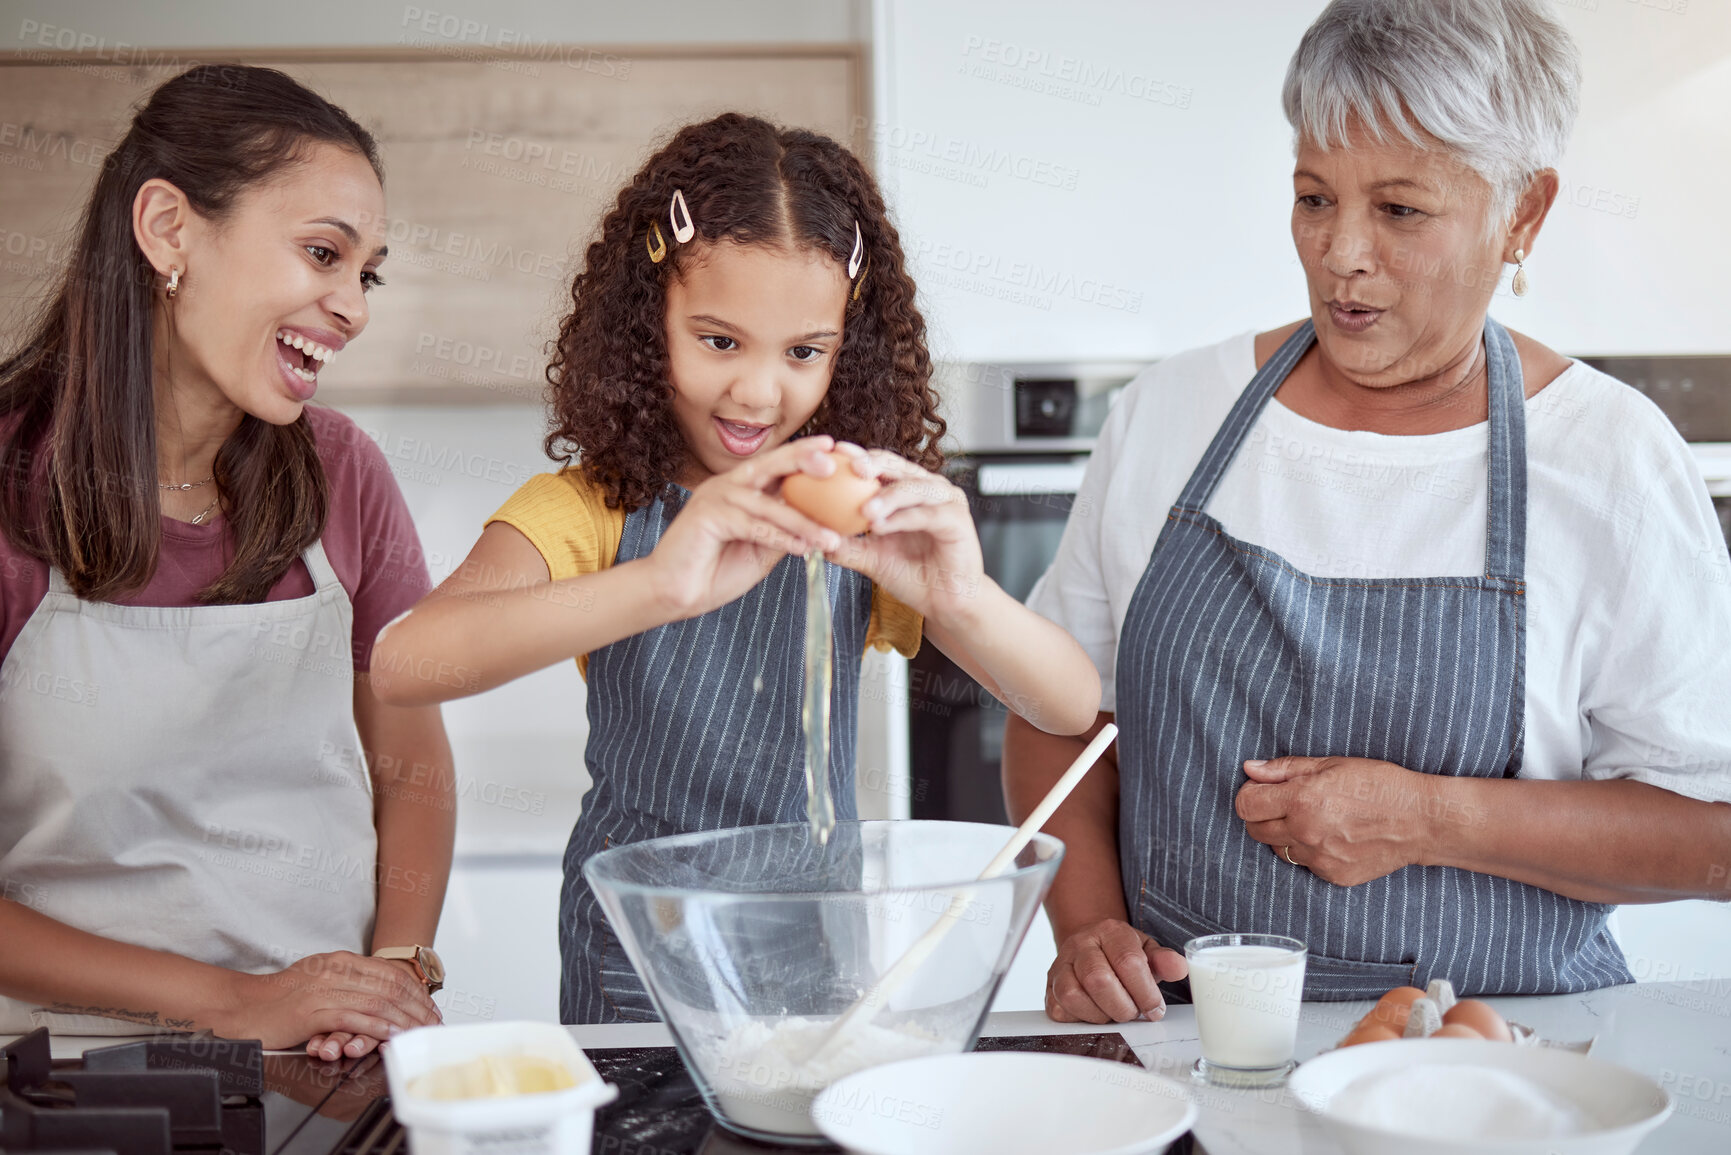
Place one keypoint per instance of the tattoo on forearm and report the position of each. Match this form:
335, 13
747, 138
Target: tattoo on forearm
147, 1018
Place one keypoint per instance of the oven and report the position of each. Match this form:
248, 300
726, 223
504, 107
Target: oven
1025, 431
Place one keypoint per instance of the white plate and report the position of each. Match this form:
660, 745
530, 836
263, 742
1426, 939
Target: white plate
1624, 1105
1005, 1102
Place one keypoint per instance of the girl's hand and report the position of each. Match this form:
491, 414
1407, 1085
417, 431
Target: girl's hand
922, 547
734, 529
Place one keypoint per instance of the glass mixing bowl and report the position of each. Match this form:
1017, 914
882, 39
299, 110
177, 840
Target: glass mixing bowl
753, 941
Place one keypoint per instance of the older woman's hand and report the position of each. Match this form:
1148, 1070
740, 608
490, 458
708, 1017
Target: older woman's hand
1346, 820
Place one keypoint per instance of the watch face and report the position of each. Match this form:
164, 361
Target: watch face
432, 965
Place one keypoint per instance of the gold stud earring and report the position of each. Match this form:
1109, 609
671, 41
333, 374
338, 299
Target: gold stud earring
656, 243
1519, 285
173, 289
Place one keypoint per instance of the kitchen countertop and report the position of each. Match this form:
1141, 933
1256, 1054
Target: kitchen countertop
1677, 1033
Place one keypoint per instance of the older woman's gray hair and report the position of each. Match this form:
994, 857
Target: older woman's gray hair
1495, 81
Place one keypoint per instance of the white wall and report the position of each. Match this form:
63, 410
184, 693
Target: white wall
1102, 179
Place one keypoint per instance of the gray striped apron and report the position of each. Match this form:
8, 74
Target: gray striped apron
695, 725
1229, 653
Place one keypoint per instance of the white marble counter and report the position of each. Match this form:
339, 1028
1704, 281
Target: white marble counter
1677, 1033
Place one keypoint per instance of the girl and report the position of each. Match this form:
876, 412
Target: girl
746, 288
193, 564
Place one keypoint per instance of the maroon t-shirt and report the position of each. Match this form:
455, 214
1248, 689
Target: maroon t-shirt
369, 539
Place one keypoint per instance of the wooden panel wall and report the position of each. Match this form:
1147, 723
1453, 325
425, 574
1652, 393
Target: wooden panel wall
497, 171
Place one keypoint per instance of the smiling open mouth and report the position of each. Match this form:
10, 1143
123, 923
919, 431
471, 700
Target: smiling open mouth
304, 357
742, 438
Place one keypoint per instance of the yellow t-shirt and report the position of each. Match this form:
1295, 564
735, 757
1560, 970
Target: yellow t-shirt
565, 516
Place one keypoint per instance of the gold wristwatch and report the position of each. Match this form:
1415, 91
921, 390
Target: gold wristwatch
424, 959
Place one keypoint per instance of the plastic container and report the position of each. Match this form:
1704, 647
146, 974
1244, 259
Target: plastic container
752, 942
550, 1123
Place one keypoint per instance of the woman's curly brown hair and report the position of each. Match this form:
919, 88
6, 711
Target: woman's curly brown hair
746, 181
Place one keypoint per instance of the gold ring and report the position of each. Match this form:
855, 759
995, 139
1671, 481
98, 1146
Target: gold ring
1286, 853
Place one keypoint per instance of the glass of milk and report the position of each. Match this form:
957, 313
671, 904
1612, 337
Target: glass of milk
1246, 989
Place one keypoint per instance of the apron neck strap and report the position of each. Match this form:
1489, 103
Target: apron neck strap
1506, 464
1506, 516
318, 568
1243, 417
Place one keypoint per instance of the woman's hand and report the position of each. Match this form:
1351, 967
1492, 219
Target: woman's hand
325, 993
1105, 973
734, 529
1346, 820
922, 548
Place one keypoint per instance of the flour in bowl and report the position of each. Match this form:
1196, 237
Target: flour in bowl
766, 1077
1444, 1101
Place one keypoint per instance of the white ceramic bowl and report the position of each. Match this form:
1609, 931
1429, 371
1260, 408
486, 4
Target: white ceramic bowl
550, 1123
1623, 1106
1005, 1102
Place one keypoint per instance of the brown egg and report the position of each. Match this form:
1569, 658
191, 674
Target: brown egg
1456, 1031
1393, 1008
1369, 1033
834, 501
1481, 1018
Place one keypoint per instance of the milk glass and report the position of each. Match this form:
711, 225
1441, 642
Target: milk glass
1246, 989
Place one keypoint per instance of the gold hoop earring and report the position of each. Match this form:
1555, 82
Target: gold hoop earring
656, 243
173, 289
1519, 285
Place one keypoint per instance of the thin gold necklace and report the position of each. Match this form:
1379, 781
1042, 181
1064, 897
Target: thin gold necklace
185, 485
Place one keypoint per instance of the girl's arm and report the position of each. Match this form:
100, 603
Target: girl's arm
415, 814
501, 616
923, 549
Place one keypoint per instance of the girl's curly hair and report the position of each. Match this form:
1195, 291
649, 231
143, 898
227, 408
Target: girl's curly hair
746, 181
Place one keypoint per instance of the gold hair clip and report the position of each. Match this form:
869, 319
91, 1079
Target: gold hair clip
860, 284
656, 244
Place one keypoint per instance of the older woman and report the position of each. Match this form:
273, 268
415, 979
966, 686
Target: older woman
1401, 614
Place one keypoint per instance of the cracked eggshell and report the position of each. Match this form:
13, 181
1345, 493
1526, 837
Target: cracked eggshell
833, 502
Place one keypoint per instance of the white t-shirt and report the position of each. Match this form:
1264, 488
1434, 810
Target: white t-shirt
1628, 649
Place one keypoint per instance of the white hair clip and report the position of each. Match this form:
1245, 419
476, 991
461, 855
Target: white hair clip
681, 232
858, 255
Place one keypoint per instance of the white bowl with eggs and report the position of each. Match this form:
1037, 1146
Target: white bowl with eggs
488, 1087
1471, 1097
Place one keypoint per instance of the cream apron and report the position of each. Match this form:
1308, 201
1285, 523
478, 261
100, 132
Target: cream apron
187, 779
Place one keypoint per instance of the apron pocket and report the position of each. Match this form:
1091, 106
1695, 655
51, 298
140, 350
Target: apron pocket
1325, 978
620, 986
1171, 923
1339, 979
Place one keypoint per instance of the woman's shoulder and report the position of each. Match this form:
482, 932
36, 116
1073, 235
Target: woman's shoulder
1591, 408
1195, 387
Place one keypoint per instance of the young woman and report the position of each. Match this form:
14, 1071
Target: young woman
193, 565
747, 288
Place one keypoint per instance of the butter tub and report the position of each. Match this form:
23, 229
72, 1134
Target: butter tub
559, 1122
